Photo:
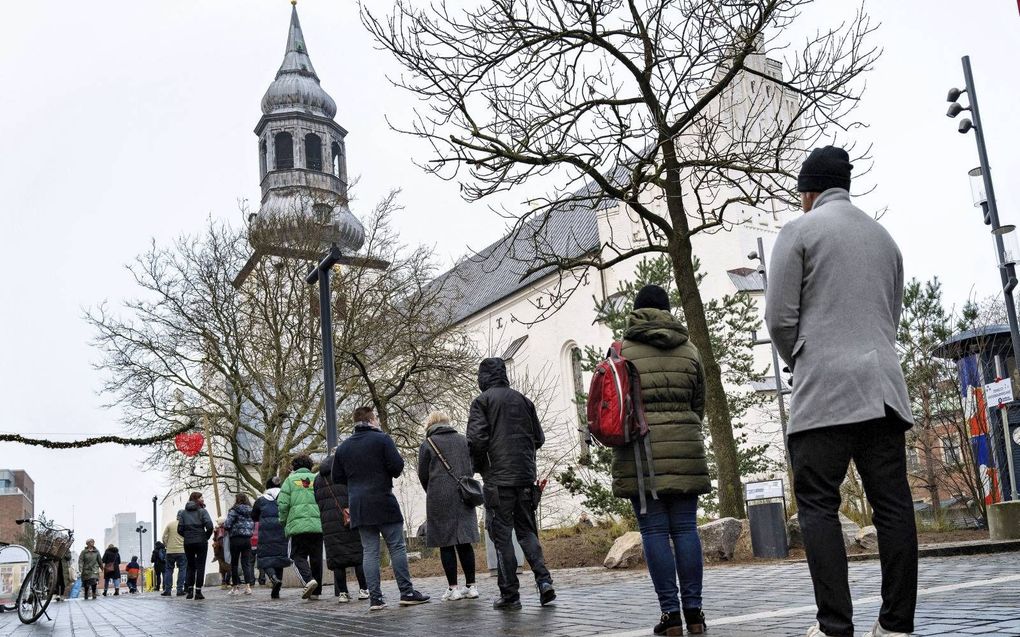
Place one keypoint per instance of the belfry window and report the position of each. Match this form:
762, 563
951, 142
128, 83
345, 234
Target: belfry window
313, 152
338, 161
263, 158
283, 150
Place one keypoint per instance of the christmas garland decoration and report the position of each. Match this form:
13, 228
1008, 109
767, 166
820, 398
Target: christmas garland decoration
98, 440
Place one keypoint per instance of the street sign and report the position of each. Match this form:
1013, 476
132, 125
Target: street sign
999, 392
764, 490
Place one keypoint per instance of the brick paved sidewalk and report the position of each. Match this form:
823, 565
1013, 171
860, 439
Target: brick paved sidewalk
967, 595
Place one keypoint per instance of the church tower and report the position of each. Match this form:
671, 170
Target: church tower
302, 156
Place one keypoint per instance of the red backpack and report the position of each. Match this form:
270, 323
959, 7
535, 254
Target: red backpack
616, 414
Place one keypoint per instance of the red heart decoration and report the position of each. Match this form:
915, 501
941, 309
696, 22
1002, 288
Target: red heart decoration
189, 444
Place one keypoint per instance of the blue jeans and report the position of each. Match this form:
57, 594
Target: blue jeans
174, 560
672, 518
394, 536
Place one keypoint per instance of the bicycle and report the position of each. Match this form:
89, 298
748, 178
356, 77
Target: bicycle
51, 545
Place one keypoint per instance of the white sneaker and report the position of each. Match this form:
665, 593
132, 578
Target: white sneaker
247, 589
233, 590
364, 594
815, 631
878, 631
309, 587
469, 592
452, 595
343, 598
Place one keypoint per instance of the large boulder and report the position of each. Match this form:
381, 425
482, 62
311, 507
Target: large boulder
744, 549
850, 530
626, 552
867, 538
848, 527
793, 532
719, 538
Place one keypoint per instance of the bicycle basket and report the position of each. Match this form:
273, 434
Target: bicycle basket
52, 543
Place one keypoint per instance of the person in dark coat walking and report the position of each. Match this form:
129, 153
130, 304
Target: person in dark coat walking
450, 524
111, 569
196, 527
367, 463
343, 544
158, 561
503, 435
272, 539
241, 527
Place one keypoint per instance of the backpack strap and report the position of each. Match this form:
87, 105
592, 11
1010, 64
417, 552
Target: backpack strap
442, 458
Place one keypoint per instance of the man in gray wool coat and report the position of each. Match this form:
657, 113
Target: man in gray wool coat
834, 301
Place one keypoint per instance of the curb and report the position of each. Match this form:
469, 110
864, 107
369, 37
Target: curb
980, 547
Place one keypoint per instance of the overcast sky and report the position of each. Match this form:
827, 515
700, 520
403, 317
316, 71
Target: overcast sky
125, 121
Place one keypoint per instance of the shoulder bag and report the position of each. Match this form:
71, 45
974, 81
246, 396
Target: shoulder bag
345, 512
470, 489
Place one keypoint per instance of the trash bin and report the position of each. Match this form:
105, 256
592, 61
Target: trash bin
766, 514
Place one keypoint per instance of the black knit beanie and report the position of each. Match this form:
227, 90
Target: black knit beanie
825, 168
652, 296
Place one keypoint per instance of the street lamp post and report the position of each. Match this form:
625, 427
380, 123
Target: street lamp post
154, 526
759, 256
140, 530
321, 274
983, 193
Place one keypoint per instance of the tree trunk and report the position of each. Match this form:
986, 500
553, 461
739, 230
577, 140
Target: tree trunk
717, 409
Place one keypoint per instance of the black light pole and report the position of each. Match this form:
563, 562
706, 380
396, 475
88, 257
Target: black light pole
141, 529
154, 526
1007, 268
321, 273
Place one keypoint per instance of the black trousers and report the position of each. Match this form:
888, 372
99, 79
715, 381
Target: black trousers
241, 560
306, 548
509, 509
340, 580
448, 556
820, 458
157, 575
196, 554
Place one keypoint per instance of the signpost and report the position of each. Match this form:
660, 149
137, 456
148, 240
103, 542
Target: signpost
1001, 393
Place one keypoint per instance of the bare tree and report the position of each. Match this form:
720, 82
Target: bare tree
633, 102
244, 364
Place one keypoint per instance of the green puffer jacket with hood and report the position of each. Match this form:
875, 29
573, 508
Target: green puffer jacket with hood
299, 512
673, 392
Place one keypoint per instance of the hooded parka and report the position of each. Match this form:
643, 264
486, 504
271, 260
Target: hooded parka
673, 392
272, 539
343, 544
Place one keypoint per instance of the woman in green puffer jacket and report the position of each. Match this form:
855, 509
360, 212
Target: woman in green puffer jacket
299, 515
673, 393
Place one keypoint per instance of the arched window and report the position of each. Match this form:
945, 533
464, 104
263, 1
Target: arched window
263, 158
339, 169
313, 152
283, 151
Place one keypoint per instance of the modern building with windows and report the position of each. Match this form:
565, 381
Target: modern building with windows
17, 501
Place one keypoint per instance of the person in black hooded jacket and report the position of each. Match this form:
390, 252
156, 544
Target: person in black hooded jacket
343, 544
503, 435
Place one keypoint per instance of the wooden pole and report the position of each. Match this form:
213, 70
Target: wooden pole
212, 465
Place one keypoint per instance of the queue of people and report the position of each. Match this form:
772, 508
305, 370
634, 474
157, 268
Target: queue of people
856, 411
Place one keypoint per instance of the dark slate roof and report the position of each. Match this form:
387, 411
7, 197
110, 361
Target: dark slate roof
568, 230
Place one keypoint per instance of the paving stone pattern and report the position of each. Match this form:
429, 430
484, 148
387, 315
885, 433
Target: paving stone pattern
959, 596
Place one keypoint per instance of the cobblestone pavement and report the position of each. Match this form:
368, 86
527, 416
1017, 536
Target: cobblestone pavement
971, 595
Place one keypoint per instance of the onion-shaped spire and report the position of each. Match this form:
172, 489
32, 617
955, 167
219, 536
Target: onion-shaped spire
296, 87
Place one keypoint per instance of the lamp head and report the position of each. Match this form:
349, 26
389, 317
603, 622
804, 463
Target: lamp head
965, 126
955, 109
954, 94
752, 255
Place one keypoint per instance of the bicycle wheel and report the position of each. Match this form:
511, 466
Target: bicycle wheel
36, 591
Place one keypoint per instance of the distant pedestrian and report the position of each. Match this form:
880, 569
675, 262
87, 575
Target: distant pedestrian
272, 538
503, 434
255, 554
195, 527
175, 559
673, 394
111, 570
343, 544
450, 524
64, 580
835, 296
158, 561
299, 515
221, 552
367, 462
90, 567
134, 569
241, 527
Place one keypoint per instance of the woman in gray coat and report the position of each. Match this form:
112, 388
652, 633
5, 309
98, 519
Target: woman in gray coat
450, 523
